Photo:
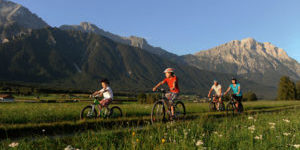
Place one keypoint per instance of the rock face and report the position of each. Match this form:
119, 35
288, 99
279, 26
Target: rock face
14, 13
16, 20
248, 58
132, 40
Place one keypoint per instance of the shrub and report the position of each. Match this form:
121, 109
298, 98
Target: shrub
249, 96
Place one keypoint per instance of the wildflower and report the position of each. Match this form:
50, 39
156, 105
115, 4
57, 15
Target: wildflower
286, 134
69, 147
163, 140
14, 144
272, 127
199, 142
297, 146
250, 118
43, 130
133, 133
220, 135
258, 137
251, 128
286, 120
137, 140
185, 133
272, 123
215, 132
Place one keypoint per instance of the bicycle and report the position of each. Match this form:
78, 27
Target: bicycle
161, 108
213, 104
90, 112
231, 106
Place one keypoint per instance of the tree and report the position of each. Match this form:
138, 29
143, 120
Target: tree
286, 89
250, 96
298, 90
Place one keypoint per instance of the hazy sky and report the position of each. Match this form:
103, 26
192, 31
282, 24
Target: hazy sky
183, 26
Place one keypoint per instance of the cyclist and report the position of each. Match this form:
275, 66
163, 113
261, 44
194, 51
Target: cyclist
237, 92
107, 94
218, 91
172, 82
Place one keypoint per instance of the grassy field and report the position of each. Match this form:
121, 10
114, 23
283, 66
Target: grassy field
23, 113
278, 130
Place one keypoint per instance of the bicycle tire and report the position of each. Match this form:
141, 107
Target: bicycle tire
89, 114
158, 113
230, 109
179, 110
212, 106
115, 112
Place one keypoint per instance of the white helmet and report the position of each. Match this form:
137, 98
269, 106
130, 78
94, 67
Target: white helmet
169, 70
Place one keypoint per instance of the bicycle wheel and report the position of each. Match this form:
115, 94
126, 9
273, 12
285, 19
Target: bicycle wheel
241, 108
221, 107
212, 106
158, 113
230, 109
179, 109
88, 113
115, 112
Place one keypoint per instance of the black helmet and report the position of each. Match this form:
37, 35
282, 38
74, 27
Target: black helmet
105, 81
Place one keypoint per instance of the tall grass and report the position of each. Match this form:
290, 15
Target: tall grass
279, 130
22, 113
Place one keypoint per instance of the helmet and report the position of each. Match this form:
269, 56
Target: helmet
169, 70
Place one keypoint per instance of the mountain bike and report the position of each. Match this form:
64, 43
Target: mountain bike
231, 106
213, 104
90, 112
161, 111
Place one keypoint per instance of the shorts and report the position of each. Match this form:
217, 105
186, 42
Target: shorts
105, 102
237, 98
171, 97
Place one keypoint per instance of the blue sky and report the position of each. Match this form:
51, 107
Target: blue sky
180, 26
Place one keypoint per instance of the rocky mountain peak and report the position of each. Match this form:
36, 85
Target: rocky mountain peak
248, 57
15, 13
131, 40
89, 26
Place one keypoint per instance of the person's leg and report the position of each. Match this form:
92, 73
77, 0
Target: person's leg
216, 102
99, 107
220, 101
174, 96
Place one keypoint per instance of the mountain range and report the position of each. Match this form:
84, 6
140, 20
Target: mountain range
79, 55
259, 62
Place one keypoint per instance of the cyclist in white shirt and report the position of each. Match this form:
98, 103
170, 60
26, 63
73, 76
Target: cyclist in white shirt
218, 93
107, 94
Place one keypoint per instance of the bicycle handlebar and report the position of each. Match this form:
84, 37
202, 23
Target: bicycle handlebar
161, 90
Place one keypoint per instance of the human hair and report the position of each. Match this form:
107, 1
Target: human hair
172, 74
105, 81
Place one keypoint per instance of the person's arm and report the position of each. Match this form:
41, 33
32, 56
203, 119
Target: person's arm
227, 90
100, 93
220, 91
174, 84
159, 84
209, 92
239, 90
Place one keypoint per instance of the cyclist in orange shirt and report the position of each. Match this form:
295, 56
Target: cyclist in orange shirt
172, 82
